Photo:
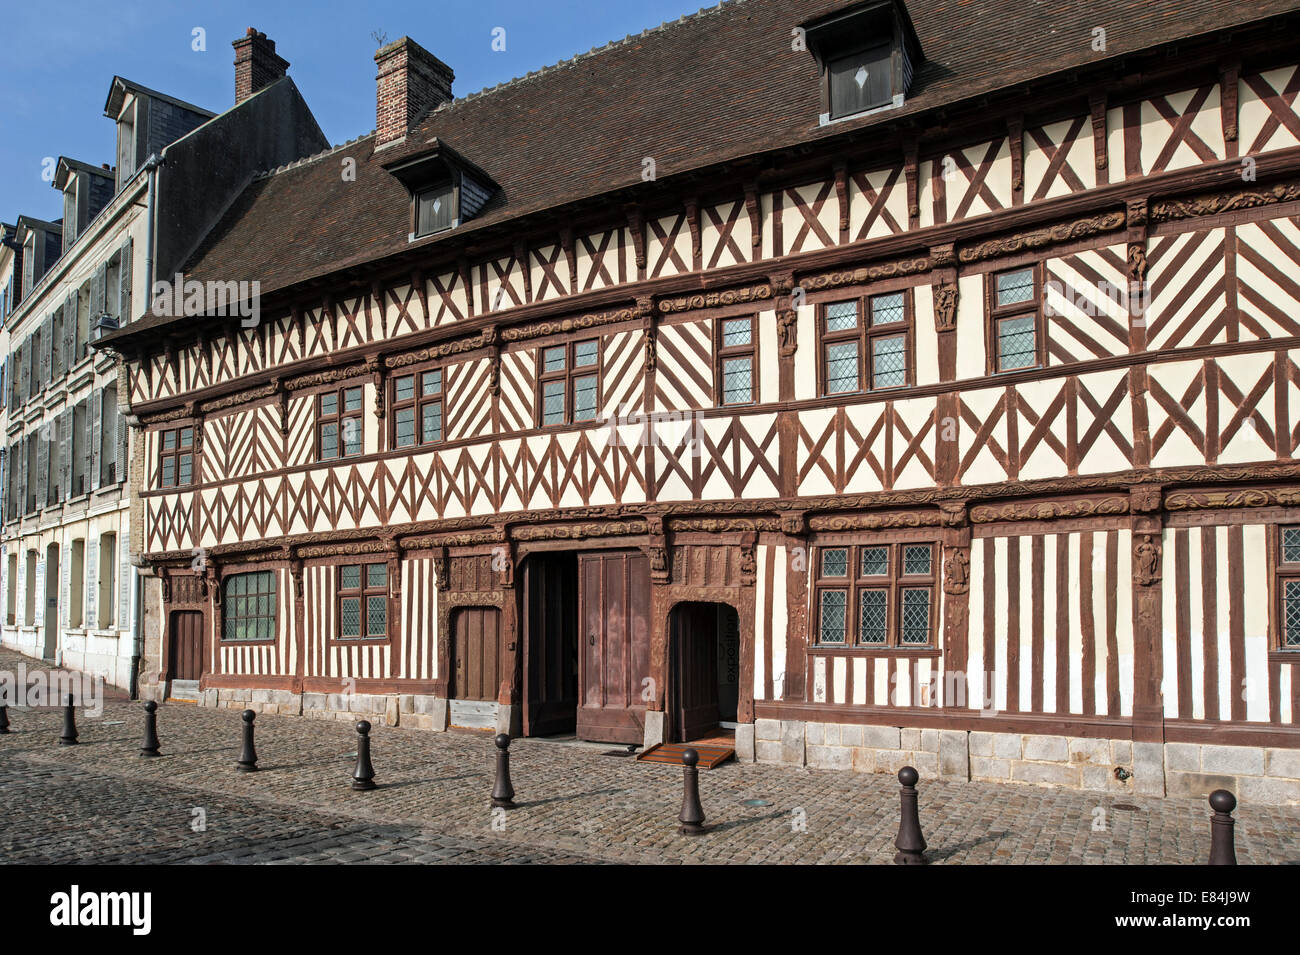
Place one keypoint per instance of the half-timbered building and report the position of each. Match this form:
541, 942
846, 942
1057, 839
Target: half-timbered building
903, 381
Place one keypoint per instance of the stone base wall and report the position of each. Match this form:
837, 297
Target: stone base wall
1262, 775
408, 710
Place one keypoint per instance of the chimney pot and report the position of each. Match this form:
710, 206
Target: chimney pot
257, 65
411, 82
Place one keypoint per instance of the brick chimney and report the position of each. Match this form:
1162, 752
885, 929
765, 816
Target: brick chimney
256, 64
411, 82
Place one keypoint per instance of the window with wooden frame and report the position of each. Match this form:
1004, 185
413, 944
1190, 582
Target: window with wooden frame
338, 423
1288, 589
1015, 319
363, 601
876, 595
568, 383
176, 456
866, 344
736, 362
248, 606
416, 403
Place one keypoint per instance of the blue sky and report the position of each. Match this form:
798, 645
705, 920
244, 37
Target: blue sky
60, 59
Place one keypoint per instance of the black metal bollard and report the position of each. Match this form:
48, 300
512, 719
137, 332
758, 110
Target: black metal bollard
69, 737
363, 777
149, 746
503, 793
910, 843
692, 814
248, 758
1223, 850
4, 719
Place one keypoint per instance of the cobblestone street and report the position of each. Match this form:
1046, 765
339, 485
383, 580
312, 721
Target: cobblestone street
99, 801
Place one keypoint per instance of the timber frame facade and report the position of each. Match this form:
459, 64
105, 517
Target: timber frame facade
1107, 522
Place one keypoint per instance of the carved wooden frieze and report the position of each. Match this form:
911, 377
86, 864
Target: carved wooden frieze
1244, 497
737, 296
865, 274
578, 531
573, 323
1047, 510
1038, 238
1217, 203
853, 522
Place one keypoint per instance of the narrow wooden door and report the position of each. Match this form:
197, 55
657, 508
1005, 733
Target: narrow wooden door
186, 650
477, 650
694, 637
550, 644
614, 645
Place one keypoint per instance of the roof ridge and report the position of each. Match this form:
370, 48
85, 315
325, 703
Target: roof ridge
305, 160
516, 81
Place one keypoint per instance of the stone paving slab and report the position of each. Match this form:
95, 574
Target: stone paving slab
575, 802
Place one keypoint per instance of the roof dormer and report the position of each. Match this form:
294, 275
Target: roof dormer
868, 55
446, 189
86, 190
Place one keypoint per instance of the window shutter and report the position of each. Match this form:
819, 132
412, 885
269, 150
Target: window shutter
124, 286
46, 372
121, 435
20, 476
91, 611
97, 298
74, 330
123, 583
66, 421
96, 433
65, 586
69, 333
42, 466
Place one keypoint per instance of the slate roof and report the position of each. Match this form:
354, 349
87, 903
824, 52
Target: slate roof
716, 85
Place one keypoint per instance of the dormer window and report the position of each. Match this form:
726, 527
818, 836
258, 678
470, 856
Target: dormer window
435, 209
867, 57
446, 189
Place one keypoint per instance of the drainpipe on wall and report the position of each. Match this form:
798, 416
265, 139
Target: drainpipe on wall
151, 166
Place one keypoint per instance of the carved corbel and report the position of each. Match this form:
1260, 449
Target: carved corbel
282, 404
1016, 140
748, 565
693, 224
299, 328
566, 246
1228, 76
441, 569
953, 514
375, 366
1097, 110
636, 226
296, 572
911, 167
794, 523
755, 211
165, 580
521, 256
841, 172
464, 272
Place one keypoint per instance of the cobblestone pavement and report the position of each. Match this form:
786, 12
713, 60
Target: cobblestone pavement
99, 800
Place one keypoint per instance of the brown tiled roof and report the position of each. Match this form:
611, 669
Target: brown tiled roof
720, 84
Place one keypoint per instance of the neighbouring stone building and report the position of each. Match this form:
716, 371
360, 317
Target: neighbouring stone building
70, 590
904, 381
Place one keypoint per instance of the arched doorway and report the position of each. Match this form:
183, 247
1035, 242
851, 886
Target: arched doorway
704, 670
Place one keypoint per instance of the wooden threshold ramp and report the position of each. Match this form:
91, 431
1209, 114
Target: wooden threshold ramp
711, 756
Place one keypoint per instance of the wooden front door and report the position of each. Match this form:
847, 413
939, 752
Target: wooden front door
185, 660
550, 644
694, 688
477, 653
614, 645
